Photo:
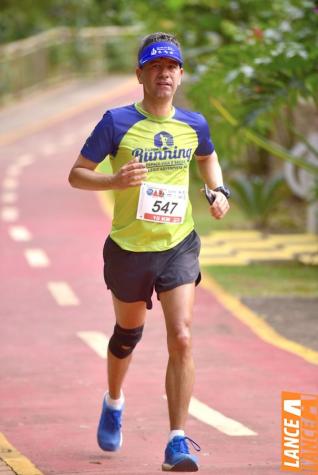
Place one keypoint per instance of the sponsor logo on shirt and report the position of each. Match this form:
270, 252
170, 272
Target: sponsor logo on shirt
163, 139
163, 149
152, 192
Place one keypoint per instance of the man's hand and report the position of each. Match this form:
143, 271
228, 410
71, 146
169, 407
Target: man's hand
130, 174
220, 206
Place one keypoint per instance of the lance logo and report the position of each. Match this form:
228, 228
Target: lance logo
163, 140
299, 432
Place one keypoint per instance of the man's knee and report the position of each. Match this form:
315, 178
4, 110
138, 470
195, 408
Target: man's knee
180, 342
124, 340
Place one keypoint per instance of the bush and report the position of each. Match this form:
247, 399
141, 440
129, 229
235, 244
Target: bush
257, 197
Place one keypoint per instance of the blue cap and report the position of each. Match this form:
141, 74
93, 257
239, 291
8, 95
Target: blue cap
161, 49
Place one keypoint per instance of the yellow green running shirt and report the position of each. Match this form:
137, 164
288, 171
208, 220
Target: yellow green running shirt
166, 145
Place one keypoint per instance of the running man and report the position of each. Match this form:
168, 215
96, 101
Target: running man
152, 244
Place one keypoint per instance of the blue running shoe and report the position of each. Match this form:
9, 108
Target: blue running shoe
178, 457
109, 436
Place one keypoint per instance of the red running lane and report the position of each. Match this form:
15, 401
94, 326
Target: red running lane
52, 383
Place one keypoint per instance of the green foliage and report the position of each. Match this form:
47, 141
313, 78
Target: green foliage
268, 280
265, 62
256, 58
267, 145
22, 18
256, 197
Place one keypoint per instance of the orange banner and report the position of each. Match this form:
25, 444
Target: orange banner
299, 422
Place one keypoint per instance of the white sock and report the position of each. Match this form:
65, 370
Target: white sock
175, 432
115, 403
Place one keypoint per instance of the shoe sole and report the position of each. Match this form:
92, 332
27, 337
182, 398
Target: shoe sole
187, 465
112, 449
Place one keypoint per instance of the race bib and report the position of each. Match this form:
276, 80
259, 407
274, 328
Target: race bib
162, 203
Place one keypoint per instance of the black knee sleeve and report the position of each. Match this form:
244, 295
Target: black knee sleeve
123, 340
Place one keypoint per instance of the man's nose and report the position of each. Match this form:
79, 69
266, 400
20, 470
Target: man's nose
164, 71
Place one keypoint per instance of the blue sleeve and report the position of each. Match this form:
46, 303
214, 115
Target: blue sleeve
100, 143
205, 146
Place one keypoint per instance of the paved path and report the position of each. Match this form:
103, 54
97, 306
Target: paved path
57, 316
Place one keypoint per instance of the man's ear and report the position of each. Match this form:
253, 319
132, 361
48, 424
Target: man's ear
180, 79
138, 74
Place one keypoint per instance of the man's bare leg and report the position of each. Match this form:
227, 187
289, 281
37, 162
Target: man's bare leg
177, 305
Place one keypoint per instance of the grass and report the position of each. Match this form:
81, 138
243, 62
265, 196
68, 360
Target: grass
267, 280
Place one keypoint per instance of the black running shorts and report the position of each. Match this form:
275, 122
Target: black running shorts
132, 276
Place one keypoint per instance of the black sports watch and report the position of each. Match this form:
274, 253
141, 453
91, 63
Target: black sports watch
223, 189
210, 195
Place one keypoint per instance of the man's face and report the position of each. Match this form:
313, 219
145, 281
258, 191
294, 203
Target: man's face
160, 78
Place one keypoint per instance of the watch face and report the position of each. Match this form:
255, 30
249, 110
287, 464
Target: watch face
226, 192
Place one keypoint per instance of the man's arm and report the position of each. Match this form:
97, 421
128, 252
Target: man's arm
84, 176
210, 170
211, 174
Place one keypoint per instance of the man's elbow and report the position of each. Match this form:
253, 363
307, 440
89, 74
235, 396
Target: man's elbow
72, 179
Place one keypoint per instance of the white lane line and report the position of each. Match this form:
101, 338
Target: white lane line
9, 214
10, 184
63, 294
97, 341
216, 419
86, 129
9, 197
67, 139
24, 160
36, 258
20, 233
13, 171
49, 149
